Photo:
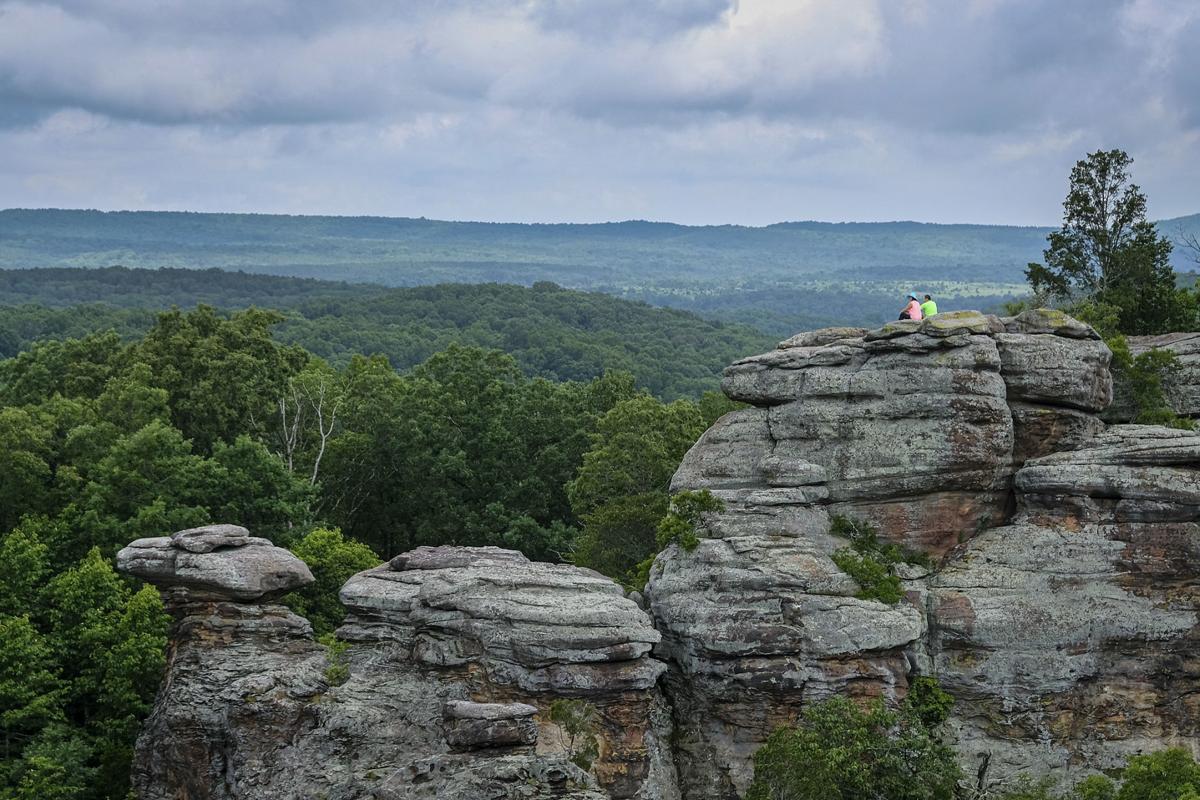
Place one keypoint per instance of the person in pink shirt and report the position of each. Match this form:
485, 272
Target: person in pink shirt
912, 310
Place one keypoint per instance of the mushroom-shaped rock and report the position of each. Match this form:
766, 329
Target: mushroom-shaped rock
221, 562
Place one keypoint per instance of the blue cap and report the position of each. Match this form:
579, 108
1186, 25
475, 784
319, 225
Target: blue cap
913, 296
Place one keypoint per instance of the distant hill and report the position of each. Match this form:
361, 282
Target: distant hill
553, 332
779, 277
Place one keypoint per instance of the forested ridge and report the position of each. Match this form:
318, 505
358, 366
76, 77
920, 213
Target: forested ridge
779, 278
552, 332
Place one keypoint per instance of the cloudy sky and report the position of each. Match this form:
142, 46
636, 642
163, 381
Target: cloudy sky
695, 111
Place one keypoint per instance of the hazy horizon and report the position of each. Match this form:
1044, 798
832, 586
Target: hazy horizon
566, 222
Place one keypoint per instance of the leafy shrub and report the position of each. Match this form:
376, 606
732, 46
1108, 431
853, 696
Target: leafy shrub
338, 671
332, 558
928, 702
871, 562
842, 751
1166, 775
1139, 382
683, 515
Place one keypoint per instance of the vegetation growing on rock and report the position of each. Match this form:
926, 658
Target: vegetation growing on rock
870, 561
840, 750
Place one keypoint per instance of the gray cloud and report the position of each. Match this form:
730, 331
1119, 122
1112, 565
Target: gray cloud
697, 110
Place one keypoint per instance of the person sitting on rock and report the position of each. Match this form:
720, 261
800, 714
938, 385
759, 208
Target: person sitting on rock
912, 310
928, 308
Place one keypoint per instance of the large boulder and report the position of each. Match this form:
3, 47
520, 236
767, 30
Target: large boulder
218, 562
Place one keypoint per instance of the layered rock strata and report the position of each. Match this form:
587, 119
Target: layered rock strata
441, 652
505, 629
1071, 637
977, 441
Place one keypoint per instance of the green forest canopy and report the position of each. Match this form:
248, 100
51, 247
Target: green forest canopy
552, 332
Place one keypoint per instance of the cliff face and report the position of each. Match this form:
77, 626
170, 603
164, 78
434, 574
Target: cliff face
1062, 613
1060, 610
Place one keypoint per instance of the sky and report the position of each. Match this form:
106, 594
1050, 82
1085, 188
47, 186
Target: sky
690, 111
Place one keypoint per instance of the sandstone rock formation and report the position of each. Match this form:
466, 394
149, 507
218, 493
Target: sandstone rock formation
1059, 603
1075, 618
454, 656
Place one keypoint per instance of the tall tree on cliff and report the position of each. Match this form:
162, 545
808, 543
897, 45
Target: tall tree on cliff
1108, 252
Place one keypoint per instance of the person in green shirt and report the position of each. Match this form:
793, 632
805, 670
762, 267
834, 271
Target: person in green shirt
928, 308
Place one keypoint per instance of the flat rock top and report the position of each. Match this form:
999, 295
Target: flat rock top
215, 562
1049, 321
207, 538
465, 709
822, 336
449, 557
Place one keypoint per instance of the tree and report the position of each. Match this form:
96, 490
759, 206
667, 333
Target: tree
332, 558
1165, 775
223, 376
842, 751
30, 689
621, 490
1107, 251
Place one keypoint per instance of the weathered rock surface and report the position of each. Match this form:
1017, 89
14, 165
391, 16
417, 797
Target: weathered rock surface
218, 562
1072, 636
514, 630
1064, 600
453, 659
473, 726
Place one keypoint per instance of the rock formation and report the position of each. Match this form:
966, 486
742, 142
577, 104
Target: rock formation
453, 657
1074, 619
1058, 601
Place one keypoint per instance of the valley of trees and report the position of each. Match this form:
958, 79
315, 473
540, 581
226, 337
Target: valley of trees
780, 278
552, 332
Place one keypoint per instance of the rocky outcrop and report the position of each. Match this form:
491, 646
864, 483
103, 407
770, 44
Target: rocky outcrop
452, 659
504, 629
1057, 599
1060, 562
1071, 637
